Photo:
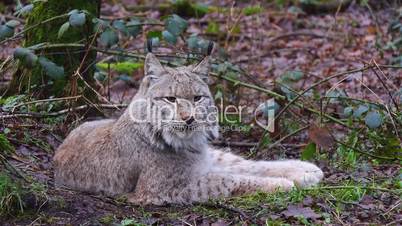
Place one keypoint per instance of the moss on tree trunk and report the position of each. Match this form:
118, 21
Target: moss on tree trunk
35, 80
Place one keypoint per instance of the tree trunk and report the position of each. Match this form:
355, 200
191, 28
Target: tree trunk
35, 81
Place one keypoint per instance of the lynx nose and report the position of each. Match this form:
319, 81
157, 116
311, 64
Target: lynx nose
187, 118
190, 120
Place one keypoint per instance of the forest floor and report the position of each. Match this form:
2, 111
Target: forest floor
357, 189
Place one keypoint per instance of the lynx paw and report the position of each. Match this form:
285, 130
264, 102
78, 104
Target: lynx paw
274, 184
306, 174
143, 201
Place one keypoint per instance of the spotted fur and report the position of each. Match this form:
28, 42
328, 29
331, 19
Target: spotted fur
159, 163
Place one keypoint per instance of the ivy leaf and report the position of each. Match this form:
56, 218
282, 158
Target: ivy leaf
292, 76
74, 11
373, 119
26, 56
20, 53
309, 151
24, 10
125, 78
99, 24
63, 29
175, 25
348, 111
13, 23
334, 95
51, 69
6, 32
197, 44
192, 42
360, 111
169, 37
134, 27
203, 46
120, 26
155, 41
100, 76
288, 91
30, 60
109, 38
77, 19
270, 106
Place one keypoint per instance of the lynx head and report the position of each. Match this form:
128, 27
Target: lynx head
180, 106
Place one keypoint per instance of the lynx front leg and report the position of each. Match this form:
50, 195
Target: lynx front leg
210, 186
302, 173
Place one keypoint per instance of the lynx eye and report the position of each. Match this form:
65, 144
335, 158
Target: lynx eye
170, 99
198, 98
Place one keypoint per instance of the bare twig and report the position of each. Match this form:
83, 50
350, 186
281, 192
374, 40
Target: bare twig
319, 83
34, 26
384, 85
226, 207
287, 136
11, 17
292, 34
9, 166
58, 113
398, 203
45, 100
260, 141
366, 153
234, 143
397, 191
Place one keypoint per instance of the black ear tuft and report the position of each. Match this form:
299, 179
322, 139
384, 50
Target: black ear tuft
149, 45
210, 47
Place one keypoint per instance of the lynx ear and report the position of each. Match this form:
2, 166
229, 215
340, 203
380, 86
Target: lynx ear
152, 66
202, 69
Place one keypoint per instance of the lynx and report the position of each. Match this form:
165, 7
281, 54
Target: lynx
158, 152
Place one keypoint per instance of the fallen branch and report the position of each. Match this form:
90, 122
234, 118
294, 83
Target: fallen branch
366, 153
10, 167
58, 113
281, 97
234, 143
384, 85
45, 100
299, 33
397, 191
287, 136
11, 17
259, 144
226, 207
319, 83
